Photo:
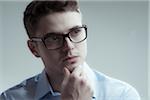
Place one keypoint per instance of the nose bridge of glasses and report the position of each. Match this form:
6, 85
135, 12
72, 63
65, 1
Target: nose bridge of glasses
67, 41
66, 36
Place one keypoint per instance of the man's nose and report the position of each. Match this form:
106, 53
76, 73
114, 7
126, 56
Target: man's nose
68, 45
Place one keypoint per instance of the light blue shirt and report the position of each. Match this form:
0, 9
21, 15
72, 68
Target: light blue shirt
38, 88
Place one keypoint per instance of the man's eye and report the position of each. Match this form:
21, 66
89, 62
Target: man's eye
53, 39
76, 32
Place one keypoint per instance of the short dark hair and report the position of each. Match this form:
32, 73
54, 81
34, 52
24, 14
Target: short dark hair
37, 9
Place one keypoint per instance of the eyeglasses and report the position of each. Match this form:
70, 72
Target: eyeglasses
56, 40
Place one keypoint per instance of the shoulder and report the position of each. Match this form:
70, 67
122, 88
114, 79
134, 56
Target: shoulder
24, 89
115, 88
107, 80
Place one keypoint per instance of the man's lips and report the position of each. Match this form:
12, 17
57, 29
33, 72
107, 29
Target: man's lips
70, 58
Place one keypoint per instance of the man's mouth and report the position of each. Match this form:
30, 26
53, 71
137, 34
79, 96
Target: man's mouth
70, 59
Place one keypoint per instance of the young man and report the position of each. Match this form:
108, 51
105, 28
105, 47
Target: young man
58, 37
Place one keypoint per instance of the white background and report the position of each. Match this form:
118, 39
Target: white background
117, 42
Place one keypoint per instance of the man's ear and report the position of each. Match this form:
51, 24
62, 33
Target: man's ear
33, 48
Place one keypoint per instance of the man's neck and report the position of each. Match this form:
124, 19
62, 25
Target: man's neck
55, 82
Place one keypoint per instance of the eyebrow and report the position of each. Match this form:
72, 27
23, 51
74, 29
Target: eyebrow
77, 26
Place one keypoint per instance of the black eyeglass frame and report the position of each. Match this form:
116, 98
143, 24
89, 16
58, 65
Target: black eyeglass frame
42, 39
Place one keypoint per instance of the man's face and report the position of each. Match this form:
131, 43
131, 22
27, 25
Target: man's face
70, 55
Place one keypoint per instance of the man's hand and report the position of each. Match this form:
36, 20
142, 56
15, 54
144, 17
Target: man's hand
75, 85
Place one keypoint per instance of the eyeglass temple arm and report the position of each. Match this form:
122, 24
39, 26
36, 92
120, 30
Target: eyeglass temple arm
36, 39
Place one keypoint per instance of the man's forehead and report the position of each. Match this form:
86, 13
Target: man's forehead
60, 22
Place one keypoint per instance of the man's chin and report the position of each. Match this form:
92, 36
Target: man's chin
72, 66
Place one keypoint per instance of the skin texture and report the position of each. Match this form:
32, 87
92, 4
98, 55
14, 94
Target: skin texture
56, 63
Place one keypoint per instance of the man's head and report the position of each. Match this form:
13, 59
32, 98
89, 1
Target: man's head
37, 9
56, 34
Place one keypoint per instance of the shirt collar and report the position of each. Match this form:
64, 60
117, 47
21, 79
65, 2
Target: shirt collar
43, 86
